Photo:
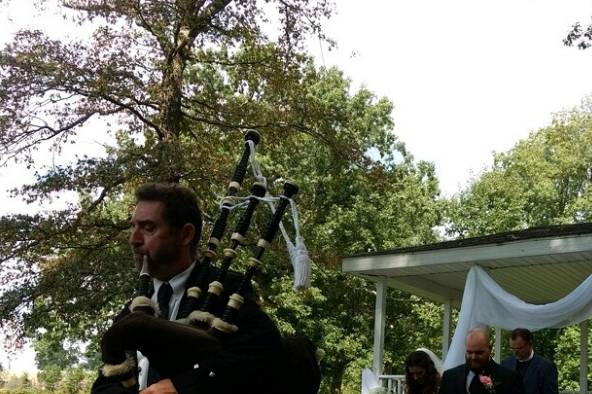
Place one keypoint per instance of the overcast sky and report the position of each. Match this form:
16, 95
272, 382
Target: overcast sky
466, 77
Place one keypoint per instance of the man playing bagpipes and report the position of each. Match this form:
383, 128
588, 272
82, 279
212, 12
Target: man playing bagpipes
220, 341
166, 227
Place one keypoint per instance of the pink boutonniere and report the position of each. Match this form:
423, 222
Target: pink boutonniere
487, 382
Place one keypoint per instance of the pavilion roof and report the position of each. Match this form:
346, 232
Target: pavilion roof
538, 265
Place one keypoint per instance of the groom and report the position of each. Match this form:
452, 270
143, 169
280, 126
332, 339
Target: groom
480, 374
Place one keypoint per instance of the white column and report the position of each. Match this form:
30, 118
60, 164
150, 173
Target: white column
583, 356
447, 322
498, 345
379, 315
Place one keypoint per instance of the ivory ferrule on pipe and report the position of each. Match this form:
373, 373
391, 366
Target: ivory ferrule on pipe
234, 185
262, 243
194, 292
238, 238
210, 253
224, 327
236, 301
216, 288
253, 262
230, 253
142, 302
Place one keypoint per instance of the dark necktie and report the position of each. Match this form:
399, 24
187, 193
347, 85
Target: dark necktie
164, 297
474, 385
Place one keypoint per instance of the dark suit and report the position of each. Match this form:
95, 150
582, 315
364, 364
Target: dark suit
540, 376
250, 361
504, 380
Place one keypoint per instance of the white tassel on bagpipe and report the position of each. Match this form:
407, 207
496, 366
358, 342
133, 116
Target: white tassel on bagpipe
298, 254
297, 250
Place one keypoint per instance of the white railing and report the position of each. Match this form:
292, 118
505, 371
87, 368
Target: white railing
394, 384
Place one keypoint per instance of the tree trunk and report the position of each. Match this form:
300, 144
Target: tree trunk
337, 379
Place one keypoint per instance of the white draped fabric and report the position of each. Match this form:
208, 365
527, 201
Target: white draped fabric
486, 303
370, 382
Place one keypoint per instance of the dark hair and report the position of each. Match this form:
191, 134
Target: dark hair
432, 377
522, 333
180, 205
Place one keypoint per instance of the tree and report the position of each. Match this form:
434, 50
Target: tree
135, 73
543, 180
2, 376
50, 377
182, 79
579, 37
54, 348
75, 381
568, 360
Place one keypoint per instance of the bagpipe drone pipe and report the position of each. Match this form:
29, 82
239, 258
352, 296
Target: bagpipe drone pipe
206, 324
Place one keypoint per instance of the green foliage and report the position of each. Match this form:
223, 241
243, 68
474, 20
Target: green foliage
75, 380
25, 381
568, 358
49, 377
51, 380
19, 391
543, 180
18, 384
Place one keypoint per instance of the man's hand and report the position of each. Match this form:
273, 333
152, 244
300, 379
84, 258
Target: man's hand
164, 386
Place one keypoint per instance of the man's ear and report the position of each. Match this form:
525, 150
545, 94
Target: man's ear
187, 233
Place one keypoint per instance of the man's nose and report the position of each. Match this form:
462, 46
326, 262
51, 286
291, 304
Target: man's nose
135, 238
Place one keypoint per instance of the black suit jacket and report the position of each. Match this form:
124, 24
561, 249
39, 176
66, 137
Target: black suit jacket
504, 380
251, 360
540, 377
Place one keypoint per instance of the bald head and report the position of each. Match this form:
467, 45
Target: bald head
479, 334
478, 349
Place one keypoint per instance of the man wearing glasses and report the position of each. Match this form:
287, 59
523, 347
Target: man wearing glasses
538, 374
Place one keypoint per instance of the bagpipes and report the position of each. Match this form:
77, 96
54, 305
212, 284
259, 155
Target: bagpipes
201, 333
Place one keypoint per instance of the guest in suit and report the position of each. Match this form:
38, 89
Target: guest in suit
538, 374
480, 374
